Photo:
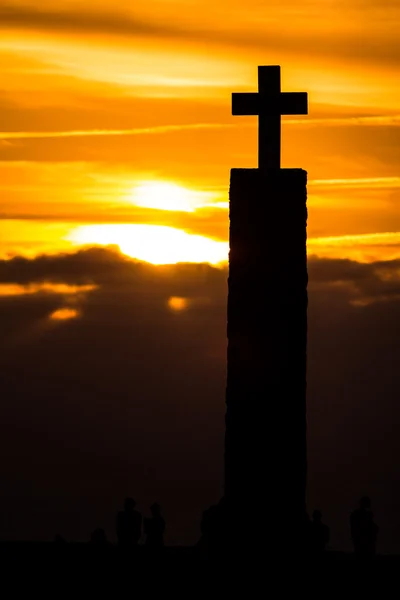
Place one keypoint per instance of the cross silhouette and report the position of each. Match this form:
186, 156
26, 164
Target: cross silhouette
269, 104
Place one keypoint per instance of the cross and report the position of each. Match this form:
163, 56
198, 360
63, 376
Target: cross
269, 104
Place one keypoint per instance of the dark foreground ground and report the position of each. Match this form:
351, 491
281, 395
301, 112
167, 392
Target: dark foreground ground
91, 571
37, 564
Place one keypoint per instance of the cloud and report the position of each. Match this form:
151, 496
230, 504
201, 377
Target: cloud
107, 267
349, 121
20, 135
361, 248
12, 289
380, 45
96, 265
363, 283
359, 183
27, 17
127, 333
160, 129
129, 397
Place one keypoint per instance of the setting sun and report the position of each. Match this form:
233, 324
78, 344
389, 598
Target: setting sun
169, 196
153, 243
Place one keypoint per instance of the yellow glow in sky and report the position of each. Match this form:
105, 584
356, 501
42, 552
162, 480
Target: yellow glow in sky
64, 314
362, 248
177, 303
120, 115
14, 289
153, 243
169, 196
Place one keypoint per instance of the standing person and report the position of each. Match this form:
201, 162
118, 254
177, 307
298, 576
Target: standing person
129, 525
364, 531
154, 527
319, 534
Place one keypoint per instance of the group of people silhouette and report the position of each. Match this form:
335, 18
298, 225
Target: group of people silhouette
130, 527
215, 529
364, 531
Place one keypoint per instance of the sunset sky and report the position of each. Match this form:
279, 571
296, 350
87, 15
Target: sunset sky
123, 116
116, 131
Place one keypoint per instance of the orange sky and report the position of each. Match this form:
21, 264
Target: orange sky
99, 103
116, 128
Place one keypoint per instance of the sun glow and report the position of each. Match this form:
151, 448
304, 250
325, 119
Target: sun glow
64, 314
177, 303
14, 289
156, 244
170, 196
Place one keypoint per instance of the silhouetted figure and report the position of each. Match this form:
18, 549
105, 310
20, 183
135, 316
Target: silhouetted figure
208, 528
364, 531
306, 533
129, 525
208, 525
224, 534
215, 530
154, 527
99, 537
319, 534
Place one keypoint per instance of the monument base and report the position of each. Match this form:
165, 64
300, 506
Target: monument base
265, 448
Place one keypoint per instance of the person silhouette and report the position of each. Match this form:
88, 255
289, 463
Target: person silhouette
364, 531
154, 527
129, 525
305, 532
208, 526
216, 534
319, 533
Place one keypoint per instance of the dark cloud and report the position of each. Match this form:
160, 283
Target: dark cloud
111, 403
129, 398
86, 266
107, 266
360, 282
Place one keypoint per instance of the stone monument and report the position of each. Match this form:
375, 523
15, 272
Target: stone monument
265, 444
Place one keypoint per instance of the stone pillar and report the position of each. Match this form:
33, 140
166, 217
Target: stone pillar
265, 445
